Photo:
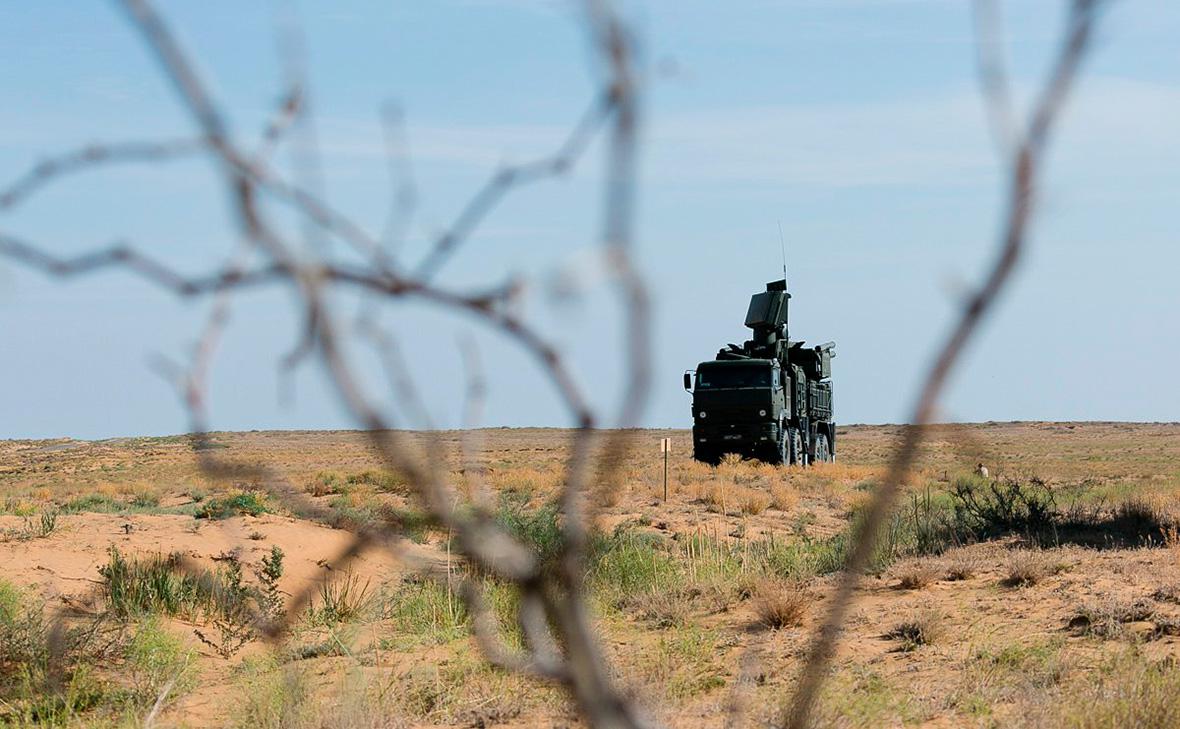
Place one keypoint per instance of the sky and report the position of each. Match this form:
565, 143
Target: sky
855, 124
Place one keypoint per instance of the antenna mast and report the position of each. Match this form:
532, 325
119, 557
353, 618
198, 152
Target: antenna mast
783, 245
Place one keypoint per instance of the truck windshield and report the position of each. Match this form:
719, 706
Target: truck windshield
721, 378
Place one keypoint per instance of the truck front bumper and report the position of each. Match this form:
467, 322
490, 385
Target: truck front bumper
745, 439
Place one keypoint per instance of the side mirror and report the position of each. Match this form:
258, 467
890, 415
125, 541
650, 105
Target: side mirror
688, 381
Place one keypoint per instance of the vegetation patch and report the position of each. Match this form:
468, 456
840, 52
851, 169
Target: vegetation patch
921, 628
242, 503
778, 604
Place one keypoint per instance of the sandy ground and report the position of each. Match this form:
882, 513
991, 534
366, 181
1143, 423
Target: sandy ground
977, 616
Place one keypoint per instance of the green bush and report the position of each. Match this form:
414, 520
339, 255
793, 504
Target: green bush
629, 563
96, 503
242, 503
985, 508
383, 480
424, 610
538, 528
46, 676
157, 659
157, 586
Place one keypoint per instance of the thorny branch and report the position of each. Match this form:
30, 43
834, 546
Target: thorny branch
548, 602
553, 610
1022, 183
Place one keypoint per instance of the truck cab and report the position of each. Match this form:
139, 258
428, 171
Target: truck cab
739, 406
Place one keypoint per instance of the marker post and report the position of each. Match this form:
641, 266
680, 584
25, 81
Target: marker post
666, 448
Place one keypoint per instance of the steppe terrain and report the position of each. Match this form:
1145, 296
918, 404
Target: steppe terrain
1045, 595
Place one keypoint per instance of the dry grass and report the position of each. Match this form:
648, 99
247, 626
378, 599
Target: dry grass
662, 609
751, 501
716, 497
1108, 617
783, 496
779, 604
961, 565
1027, 567
916, 574
920, 628
1167, 593
682, 628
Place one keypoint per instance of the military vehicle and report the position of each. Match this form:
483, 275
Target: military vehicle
770, 398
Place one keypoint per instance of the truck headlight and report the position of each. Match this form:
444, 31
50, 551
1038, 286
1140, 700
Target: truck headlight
701, 414
762, 413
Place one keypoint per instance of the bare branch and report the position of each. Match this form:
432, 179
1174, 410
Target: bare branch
1021, 188
993, 75
507, 179
46, 171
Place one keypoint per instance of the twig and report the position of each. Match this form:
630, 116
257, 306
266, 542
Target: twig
1021, 187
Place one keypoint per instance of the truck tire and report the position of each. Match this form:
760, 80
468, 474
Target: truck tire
782, 450
795, 447
822, 453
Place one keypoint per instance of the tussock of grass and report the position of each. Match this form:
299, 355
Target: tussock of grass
1133, 694
783, 496
628, 563
43, 526
1106, 618
917, 574
779, 604
683, 663
961, 566
751, 501
1029, 567
157, 659
156, 585
345, 599
98, 503
921, 628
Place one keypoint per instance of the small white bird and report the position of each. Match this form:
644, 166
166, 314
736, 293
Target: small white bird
981, 470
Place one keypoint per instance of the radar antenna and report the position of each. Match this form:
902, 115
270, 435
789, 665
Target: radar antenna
783, 245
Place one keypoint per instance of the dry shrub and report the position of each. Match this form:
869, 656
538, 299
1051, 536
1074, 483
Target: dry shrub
961, 565
750, 501
1167, 593
525, 480
663, 609
783, 496
692, 472
923, 627
779, 604
917, 574
716, 497
324, 483
738, 471
1028, 567
836, 496
1106, 617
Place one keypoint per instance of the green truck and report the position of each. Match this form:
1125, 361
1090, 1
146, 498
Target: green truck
770, 398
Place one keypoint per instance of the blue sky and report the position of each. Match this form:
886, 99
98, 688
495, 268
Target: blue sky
857, 123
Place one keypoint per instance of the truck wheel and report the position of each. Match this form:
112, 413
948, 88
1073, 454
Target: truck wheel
822, 453
782, 450
795, 455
